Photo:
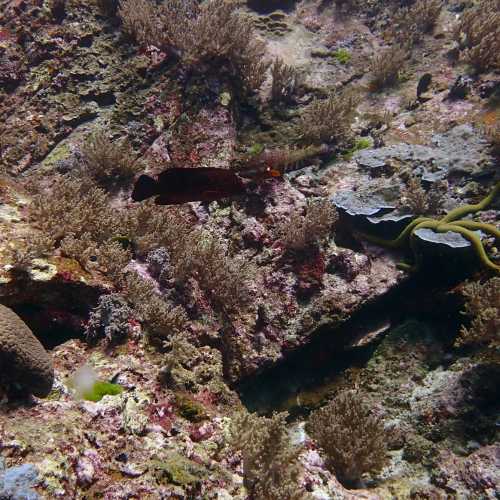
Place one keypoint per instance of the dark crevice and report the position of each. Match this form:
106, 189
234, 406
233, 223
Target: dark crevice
51, 326
329, 352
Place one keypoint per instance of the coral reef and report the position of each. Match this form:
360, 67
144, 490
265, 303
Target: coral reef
24, 361
162, 321
17, 482
110, 319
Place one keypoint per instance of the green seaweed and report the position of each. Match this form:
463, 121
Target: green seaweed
343, 56
101, 389
361, 143
449, 222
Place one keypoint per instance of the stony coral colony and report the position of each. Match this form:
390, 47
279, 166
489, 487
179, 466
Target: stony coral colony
186, 206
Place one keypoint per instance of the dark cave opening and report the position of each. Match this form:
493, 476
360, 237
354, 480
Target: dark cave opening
50, 325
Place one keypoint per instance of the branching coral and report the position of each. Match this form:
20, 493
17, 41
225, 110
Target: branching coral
77, 217
352, 437
224, 278
140, 21
74, 206
450, 222
25, 249
478, 35
109, 319
330, 119
483, 306
270, 462
162, 319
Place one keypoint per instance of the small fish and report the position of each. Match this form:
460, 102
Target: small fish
277, 162
259, 171
423, 84
175, 186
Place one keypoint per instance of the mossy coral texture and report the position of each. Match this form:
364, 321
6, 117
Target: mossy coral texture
23, 359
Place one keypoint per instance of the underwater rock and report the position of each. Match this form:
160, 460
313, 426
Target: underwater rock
475, 476
461, 87
390, 225
16, 483
267, 6
24, 361
461, 150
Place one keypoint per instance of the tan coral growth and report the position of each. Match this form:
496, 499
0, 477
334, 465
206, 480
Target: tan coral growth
478, 35
23, 360
483, 306
271, 467
351, 435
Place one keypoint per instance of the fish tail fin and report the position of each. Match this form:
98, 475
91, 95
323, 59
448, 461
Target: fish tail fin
144, 188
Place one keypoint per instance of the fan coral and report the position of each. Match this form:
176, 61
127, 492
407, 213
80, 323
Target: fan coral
270, 462
23, 360
352, 437
483, 306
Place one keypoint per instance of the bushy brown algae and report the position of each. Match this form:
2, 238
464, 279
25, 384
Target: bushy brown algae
478, 35
301, 232
482, 307
211, 33
387, 66
351, 435
420, 201
410, 24
285, 82
329, 120
271, 467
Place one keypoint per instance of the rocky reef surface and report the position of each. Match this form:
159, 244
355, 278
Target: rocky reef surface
162, 323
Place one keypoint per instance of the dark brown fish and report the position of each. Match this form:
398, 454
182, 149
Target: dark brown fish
175, 186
